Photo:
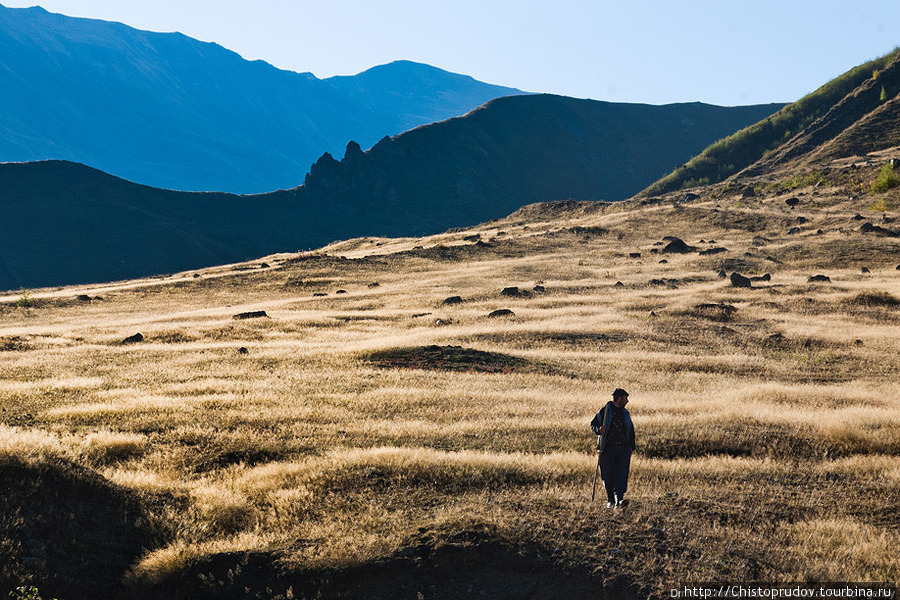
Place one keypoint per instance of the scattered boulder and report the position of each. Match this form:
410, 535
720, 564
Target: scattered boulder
319, 294
738, 280
503, 312
510, 291
539, 288
374, 284
792, 202
802, 220
871, 228
793, 231
452, 300
748, 192
83, 298
196, 275
858, 342
819, 279
263, 265
243, 350
677, 246
663, 262
634, 255
722, 275
341, 292
689, 197
765, 277
619, 284
864, 270
710, 251
657, 282
857, 217
134, 339
256, 314
819, 232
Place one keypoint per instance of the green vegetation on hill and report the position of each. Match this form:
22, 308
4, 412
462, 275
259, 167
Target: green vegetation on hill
740, 150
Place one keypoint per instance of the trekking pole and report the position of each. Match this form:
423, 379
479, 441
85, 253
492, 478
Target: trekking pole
596, 472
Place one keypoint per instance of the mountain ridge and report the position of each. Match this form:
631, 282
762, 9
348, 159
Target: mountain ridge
170, 111
465, 170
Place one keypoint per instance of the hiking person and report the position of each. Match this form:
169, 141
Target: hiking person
613, 425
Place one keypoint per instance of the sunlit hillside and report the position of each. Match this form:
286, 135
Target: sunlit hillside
366, 439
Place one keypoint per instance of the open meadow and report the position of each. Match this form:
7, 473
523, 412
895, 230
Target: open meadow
367, 439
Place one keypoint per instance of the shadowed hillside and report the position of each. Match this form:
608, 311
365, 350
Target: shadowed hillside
66, 223
518, 150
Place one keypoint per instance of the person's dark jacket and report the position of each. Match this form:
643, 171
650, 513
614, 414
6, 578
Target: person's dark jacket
604, 417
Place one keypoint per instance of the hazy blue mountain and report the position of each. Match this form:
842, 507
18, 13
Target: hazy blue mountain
173, 112
66, 223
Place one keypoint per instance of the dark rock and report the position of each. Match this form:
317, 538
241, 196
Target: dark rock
748, 192
765, 277
775, 337
677, 246
319, 294
657, 282
870, 228
442, 322
196, 275
802, 220
374, 284
713, 251
417, 315
738, 280
792, 202
256, 314
83, 298
819, 279
771, 259
341, 292
793, 230
819, 232
857, 217
503, 312
134, 339
858, 342
663, 262
864, 270
510, 291
634, 255
452, 300
472, 238
654, 251
620, 284
689, 197
264, 265
243, 350
722, 275
539, 288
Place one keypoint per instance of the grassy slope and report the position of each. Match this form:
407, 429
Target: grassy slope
768, 438
740, 150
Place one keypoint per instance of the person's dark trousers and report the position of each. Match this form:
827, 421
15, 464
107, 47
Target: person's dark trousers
615, 461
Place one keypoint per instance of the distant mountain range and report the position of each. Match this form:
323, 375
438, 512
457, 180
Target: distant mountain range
66, 223
169, 111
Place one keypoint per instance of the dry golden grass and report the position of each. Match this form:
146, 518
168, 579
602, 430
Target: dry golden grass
768, 436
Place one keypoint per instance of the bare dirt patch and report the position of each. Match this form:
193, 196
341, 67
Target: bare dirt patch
454, 358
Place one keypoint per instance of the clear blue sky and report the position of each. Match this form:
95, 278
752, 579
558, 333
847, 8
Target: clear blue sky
724, 52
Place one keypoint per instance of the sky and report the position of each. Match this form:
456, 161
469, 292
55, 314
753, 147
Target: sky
726, 52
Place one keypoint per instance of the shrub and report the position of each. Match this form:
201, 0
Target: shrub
887, 179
